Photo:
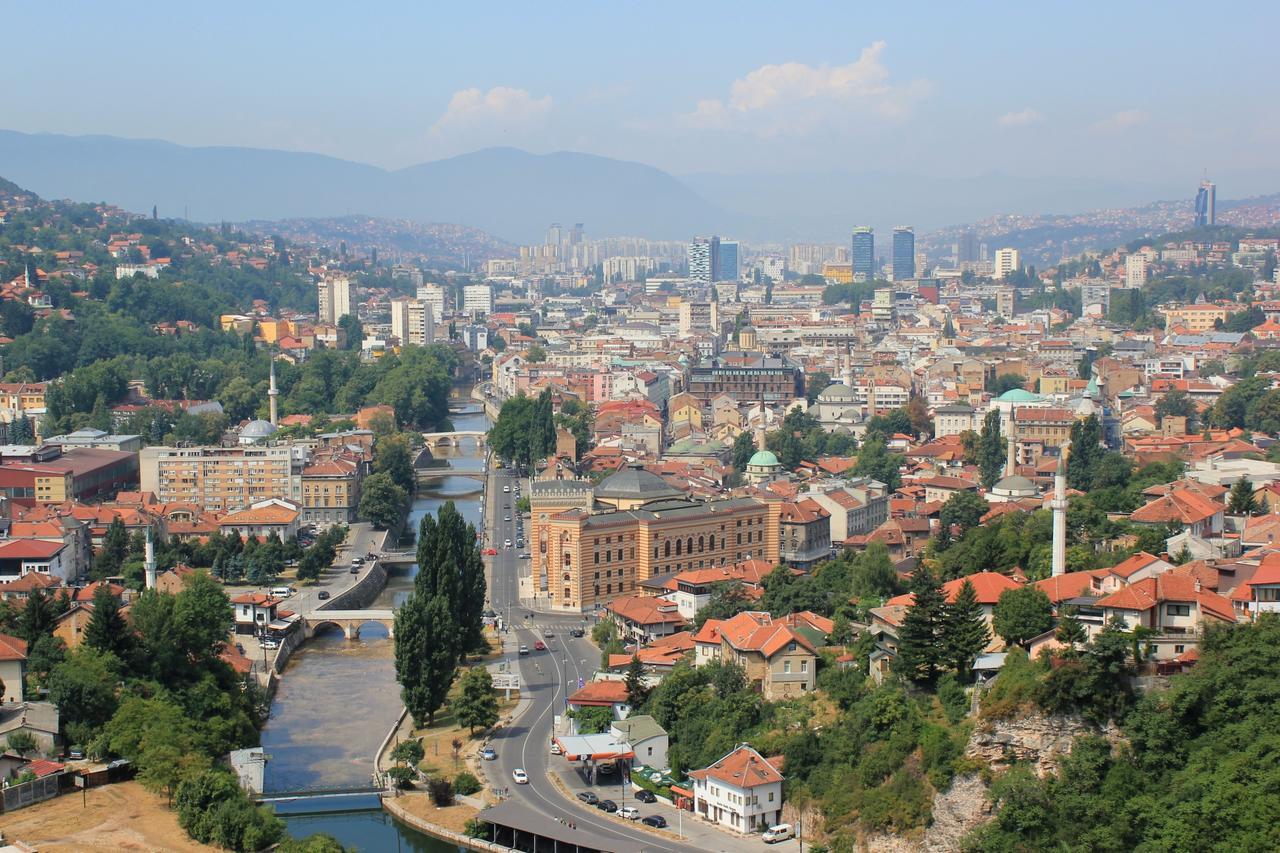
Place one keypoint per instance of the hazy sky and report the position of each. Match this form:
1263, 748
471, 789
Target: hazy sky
1114, 90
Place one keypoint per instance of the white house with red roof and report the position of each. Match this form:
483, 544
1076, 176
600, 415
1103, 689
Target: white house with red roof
19, 557
779, 658
13, 667
644, 618
254, 611
742, 791
1259, 593
1175, 606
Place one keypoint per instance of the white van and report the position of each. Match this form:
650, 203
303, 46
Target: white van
781, 832
281, 591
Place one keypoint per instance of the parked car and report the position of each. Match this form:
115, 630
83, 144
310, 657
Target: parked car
488, 754
779, 832
324, 595
657, 821
524, 650
520, 776
607, 806
606, 770
589, 797
629, 812
645, 796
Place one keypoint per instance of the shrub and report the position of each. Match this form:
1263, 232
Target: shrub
441, 791
465, 783
952, 696
401, 776
214, 809
1017, 685
901, 803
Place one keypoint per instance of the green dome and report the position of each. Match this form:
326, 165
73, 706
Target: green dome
1019, 395
763, 459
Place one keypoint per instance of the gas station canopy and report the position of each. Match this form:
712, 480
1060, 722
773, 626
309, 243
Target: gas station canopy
601, 747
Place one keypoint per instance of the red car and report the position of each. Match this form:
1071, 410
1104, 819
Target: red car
540, 646
491, 552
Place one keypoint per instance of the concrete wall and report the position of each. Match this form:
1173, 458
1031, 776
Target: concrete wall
362, 593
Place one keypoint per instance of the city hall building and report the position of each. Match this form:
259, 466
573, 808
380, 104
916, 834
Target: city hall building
593, 544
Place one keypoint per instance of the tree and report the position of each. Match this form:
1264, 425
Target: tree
202, 618
1071, 630
873, 574
476, 707
1176, 403
991, 450
1086, 453
875, 461
592, 720
115, 547
1006, 382
38, 617
637, 691
964, 509
408, 752
815, 384
1242, 500
1022, 614
536, 354
107, 630
427, 647
382, 501
84, 689
744, 447
22, 742
964, 632
920, 646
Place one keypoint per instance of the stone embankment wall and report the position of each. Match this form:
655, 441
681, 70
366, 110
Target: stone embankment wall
362, 593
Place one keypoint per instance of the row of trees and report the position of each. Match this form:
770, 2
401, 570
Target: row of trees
525, 431
442, 620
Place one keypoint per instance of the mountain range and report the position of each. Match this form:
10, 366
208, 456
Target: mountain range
514, 195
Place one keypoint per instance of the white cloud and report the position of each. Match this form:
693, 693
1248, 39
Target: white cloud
800, 94
501, 105
1021, 118
1122, 120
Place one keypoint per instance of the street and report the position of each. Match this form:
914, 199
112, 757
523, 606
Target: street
547, 679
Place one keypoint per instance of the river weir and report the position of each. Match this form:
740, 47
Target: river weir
339, 698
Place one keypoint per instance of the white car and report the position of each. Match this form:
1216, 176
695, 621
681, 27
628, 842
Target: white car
520, 776
555, 749
629, 812
781, 832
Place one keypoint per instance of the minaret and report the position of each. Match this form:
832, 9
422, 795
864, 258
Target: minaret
273, 393
1059, 507
1011, 462
149, 561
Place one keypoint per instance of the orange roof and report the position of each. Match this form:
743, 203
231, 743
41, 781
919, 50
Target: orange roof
1183, 506
759, 632
12, 648
742, 768
273, 514
600, 693
645, 610
1065, 587
1134, 564
988, 585
1146, 594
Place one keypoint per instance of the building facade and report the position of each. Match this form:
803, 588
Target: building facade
221, 478
904, 253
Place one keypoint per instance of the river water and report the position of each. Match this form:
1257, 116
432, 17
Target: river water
339, 698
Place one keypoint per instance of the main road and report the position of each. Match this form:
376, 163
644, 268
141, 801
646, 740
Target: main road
546, 679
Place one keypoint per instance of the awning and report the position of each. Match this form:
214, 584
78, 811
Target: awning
601, 747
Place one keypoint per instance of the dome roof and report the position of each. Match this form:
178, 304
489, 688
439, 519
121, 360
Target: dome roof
763, 459
1016, 484
836, 391
1019, 395
636, 484
258, 429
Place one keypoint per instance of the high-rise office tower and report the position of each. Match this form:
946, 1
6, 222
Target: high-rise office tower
434, 295
863, 253
904, 253
967, 250
727, 269
704, 259
1206, 204
555, 234
577, 235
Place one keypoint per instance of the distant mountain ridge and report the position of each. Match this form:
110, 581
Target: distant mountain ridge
511, 194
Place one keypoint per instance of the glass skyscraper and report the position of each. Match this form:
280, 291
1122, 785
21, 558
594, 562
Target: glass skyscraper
1206, 204
904, 253
704, 259
727, 268
863, 253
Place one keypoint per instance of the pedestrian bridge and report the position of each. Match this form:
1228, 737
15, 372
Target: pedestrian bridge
350, 621
452, 439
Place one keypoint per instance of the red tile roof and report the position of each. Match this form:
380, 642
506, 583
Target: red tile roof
742, 768
988, 585
12, 648
600, 693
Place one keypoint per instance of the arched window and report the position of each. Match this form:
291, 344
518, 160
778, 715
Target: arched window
690, 545
666, 548
701, 545
679, 543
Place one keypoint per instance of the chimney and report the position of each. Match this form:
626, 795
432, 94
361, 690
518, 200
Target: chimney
1197, 584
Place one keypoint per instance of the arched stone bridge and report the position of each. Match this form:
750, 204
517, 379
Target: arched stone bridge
350, 621
452, 439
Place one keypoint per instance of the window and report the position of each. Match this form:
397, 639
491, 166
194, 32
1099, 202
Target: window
786, 666
1177, 650
804, 666
1178, 609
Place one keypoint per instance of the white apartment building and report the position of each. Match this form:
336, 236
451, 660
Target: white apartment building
433, 295
477, 299
334, 294
412, 321
1135, 270
1006, 262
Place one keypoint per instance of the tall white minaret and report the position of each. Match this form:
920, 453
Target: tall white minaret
149, 562
273, 393
1011, 461
1059, 506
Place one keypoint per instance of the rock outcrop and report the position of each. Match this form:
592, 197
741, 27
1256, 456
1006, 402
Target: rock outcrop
1034, 738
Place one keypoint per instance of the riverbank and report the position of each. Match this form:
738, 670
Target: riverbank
125, 816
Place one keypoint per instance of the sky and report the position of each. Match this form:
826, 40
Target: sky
1131, 91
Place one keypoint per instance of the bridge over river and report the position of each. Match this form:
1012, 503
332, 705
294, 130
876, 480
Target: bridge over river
350, 621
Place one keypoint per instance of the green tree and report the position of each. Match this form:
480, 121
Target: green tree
1006, 382
382, 501
964, 630
637, 690
875, 461
1241, 500
84, 689
815, 384
991, 450
873, 573
744, 447
427, 647
107, 630
476, 707
22, 742
202, 618
1086, 453
964, 510
1022, 614
920, 641
1176, 403
408, 752
536, 354
1071, 630
115, 547
38, 617
393, 456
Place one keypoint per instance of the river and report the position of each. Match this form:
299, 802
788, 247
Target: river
339, 698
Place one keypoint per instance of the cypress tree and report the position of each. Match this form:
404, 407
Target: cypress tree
427, 647
920, 650
107, 630
965, 632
